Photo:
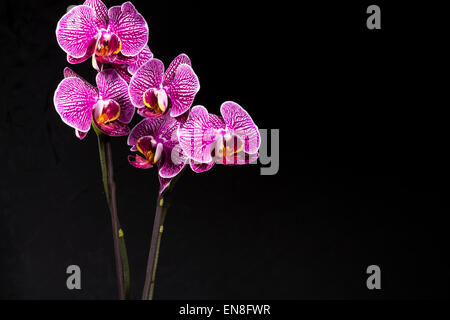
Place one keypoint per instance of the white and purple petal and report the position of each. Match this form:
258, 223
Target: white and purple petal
182, 90
75, 31
130, 27
196, 135
143, 56
198, 167
171, 70
147, 127
150, 75
112, 86
241, 124
74, 102
101, 13
70, 73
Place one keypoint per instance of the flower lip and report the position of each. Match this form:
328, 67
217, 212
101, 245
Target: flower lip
108, 46
156, 100
105, 117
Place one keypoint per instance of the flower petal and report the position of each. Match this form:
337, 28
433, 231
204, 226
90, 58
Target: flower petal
147, 127
70, 73
112, 86
130, 26
114, 128
100, 11
75, 31
89, 52
182, 90
74, 102
144, 56
196, 135
139, 162
201, 167
240, 123
174, 160
171, 70
148, 76
123, 72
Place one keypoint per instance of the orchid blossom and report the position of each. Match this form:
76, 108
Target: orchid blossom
116, 35
155, 93
156, 141
208, 139
79, 103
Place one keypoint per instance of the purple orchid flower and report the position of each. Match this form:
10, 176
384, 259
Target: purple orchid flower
116, 35
154, 92
230, 139
156, 140
108, 107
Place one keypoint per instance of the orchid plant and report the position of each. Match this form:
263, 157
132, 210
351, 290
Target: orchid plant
171, 134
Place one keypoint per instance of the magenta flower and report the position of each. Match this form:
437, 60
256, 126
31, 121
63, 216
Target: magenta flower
154, 92
108, 107
156, 141
230, 139
114, 35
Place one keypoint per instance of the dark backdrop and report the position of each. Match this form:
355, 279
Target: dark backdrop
362, 174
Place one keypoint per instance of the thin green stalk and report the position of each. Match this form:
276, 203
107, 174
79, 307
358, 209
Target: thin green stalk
162, 206
120, 251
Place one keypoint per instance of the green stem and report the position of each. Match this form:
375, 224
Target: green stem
162, 205
120, 251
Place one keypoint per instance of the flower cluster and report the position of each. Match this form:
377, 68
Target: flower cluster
172, 134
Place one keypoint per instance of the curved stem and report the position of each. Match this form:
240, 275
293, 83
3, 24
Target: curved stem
120, 252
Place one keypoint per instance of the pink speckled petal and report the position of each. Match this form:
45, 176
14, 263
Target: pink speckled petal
201, 167
144, 56
75, 31
196, 135
123, 72
240, 123
147, 127
174, 160
131, 28
114, 128
74, 102
112, 86
70, 73
182, 90
216, 122
101, 13
89, 52
171, 70
148, 76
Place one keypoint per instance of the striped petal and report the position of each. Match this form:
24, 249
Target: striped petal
241, 124
150, 75
112, 86
144, 56
171, 70
74, 102
101, 13
130, 27
182, 90
75, 31
196, 135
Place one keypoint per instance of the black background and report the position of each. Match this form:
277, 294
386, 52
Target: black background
362, 176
